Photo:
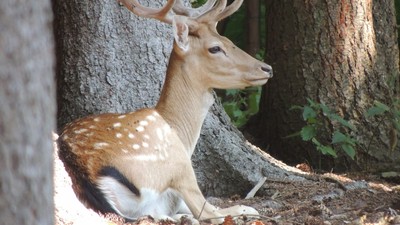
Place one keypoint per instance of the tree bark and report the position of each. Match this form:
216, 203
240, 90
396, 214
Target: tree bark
113, 61
339, 53
27, 112
252, 26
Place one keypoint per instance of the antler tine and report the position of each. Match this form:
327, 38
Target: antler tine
221, 11
229, 10
180, 9
212, 14
162, 14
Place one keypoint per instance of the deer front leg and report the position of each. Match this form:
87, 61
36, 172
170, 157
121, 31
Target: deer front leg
198, 205
194, 199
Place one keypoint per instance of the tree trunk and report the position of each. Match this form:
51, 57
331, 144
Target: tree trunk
252, 26
27, 112
339, 53
113, 61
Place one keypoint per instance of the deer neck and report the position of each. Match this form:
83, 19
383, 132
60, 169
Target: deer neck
184, 102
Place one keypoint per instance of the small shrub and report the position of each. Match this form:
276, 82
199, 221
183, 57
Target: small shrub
316, 115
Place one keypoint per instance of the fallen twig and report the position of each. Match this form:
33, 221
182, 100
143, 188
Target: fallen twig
256, 188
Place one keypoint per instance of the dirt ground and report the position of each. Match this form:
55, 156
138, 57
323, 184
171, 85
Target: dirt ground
331, 199
325, 199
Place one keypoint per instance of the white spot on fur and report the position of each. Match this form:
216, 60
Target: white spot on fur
100, 145
131, 136
121, 116
145, 144
117, 125
118, 135
135, 146
80, 131
139, 129
144, 123
151, 118
146, 136
92, 126
124, 151
97, 119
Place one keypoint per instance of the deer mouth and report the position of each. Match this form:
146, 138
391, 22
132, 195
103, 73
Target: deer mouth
258, 81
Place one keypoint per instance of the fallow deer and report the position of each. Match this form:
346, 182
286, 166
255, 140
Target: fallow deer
139, 163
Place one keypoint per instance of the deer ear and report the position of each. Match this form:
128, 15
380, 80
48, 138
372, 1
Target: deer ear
181, 32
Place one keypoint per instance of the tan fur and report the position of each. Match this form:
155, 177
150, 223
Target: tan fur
152, 147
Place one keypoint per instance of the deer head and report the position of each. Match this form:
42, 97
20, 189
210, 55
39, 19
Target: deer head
214, 59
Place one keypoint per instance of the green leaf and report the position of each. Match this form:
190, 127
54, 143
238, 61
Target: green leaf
316, 142
307, 133
327, 150
342, 121
230, 109
381, 105
232, 92
312, 121
253, 103
312, 103
326, 110
293, 135
240, 122
293, 107
339, 137
396, 124
374, 111
349, 150
308, 113
238, 113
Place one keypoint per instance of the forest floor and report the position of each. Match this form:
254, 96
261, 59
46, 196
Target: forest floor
325, 199
331, 199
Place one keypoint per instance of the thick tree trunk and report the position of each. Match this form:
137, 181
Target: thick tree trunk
252, 26
113, 61
339, 53
109, 59
27, 112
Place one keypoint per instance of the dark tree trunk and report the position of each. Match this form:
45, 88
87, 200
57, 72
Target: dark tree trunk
339, 53
252, 26
27, 112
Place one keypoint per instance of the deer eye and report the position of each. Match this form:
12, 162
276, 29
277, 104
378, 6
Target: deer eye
215, 49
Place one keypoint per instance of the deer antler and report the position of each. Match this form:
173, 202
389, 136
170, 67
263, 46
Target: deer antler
229, 10
180, 9
220, 11
163, 14
209, 12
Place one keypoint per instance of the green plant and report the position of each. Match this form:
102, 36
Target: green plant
240, 105
389, 112
316, 116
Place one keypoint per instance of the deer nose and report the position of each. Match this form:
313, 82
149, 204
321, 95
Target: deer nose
268, 69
